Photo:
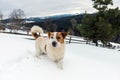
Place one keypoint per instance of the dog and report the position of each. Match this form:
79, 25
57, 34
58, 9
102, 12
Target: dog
53, 45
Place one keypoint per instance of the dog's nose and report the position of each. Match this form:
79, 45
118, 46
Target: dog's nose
54, 44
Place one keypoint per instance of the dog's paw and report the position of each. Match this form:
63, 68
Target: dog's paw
59, 65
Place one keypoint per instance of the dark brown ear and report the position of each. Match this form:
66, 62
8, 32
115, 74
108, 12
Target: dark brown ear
49, 33
64, 34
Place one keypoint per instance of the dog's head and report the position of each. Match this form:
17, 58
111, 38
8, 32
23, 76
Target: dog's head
56, 38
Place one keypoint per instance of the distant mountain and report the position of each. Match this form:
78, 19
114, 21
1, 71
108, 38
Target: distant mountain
35, 19
54, 17
6, 20
42, 19
60, 16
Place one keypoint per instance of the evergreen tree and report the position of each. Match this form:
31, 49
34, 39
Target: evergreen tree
100, 25
101, 5
104, 31
113, 16
87, 27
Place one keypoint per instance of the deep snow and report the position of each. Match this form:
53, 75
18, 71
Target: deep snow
81, 61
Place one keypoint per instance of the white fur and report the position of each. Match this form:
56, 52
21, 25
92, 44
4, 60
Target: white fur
36, 29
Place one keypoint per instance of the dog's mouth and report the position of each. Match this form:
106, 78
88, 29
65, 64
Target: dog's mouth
54, 44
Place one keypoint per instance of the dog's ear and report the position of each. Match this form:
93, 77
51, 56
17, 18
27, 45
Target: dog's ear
49, 33
64, 34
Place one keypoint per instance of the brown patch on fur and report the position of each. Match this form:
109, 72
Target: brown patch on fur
64, 34
35, 35
50, 34
60, 36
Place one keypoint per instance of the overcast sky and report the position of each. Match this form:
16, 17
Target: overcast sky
33, 8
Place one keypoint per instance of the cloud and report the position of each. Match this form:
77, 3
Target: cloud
47, 7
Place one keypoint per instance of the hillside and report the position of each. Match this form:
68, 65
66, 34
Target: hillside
81, 61
60, 20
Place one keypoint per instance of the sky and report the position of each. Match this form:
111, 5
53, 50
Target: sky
40, 8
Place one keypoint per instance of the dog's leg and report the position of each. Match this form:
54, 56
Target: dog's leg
38, 51
59, 64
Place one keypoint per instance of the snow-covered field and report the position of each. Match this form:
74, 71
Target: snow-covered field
81, 61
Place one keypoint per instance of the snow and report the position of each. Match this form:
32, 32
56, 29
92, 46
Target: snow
81, 61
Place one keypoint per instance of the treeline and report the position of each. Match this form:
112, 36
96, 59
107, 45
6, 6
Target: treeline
103, 26
17, 21
60, 24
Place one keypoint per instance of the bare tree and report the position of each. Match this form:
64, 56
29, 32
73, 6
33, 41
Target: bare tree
47, 25
54, 27
74, 24
1, 16
50, 26
72, 29
17, 17
1, 24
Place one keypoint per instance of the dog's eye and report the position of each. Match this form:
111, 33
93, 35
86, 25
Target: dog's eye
51, 37
58, 37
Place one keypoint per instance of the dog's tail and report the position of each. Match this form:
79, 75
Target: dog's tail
36, 31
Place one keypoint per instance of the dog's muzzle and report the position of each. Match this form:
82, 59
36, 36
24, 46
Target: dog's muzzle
54, 44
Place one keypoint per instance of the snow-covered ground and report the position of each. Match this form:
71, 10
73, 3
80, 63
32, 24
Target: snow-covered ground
81, 61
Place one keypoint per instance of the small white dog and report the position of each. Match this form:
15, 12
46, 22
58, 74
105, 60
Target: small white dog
53, 45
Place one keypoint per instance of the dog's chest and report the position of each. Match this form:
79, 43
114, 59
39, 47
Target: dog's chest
55, 53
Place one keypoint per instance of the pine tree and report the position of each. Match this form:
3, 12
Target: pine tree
104, 31
113, 16
100, 26
103, 25
101, 5
87, 27
104, 28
